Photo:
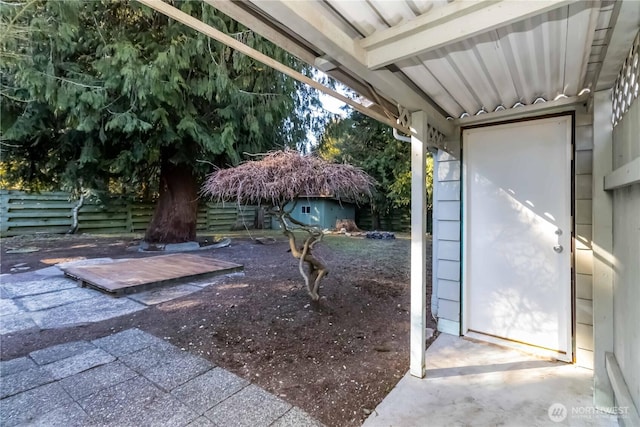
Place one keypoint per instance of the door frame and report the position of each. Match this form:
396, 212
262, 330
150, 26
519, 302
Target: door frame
464, 331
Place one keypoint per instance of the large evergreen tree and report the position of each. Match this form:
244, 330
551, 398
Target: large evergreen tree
111, 96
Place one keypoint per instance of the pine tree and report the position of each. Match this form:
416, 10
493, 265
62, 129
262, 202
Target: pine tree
111, 96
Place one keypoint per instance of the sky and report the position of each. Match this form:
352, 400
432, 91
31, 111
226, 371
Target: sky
333, 105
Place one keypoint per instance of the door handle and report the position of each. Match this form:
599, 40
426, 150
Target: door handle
558, 248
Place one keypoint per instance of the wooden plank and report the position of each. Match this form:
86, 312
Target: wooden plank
102, 226
21, 195
39, 213
39, 223
20, 231
447, 25
119, 216
621, 391
40, 205
125, 275
624, 176
95, 209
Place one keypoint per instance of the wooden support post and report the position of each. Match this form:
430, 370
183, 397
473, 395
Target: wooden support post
602, 221
419, 141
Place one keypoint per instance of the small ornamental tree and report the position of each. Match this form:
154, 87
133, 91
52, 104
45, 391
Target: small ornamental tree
277, 181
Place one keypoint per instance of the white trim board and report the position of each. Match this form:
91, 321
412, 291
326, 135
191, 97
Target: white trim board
624, 176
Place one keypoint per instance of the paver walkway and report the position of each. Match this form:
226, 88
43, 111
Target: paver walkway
48, 300
133, 378
130, 378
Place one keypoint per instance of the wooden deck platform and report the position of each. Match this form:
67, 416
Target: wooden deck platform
139, 274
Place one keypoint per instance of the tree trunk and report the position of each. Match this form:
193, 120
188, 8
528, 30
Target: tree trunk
175, 217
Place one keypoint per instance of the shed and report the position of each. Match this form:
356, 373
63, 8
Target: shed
530, 109
322, 211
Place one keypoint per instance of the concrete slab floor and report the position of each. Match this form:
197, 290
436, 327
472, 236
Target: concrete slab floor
470, 383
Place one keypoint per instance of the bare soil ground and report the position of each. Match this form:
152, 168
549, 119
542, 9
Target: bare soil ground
337, 361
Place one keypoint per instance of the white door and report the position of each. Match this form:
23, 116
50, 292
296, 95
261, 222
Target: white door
517, 234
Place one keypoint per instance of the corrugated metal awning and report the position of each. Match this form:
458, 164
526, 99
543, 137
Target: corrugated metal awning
541, 57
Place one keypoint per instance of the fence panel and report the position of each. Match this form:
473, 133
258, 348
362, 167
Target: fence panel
52, 212
109, 217
397, 220
24, 213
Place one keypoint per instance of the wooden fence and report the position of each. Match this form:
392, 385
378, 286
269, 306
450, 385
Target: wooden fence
396, 220
52, 212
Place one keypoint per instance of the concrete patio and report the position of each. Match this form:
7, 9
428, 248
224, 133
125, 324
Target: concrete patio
469, 383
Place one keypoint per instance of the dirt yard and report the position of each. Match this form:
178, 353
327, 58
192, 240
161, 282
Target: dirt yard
336, 362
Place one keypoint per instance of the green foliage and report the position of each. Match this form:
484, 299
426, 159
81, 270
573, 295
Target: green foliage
370, 145
95, 94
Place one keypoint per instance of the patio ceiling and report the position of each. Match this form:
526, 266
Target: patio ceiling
462, 58
451, 59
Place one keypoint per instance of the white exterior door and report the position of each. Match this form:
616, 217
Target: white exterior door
517, 235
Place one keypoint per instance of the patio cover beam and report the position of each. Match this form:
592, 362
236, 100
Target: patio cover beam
309, 20
209, 31
249, 19
447, 25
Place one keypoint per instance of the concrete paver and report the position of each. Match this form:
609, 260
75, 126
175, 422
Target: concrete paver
9, 367
296, 417
24, 380
16, 322
95, 309
28, 405
55, 299
36, 287
202, 422
78, 363
164, 294
177, 371
8, 307
126, 342
207, 390
106, 383
250, 407
94, 380
150, 356
68, 415
136, 401
60, 351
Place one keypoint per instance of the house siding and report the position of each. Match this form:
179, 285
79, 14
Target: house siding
446, 237
583, 257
